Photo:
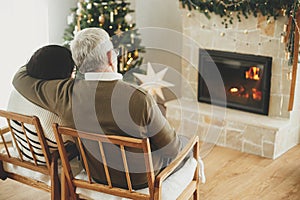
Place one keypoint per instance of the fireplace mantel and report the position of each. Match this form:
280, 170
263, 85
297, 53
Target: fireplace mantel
267, 136
247, 132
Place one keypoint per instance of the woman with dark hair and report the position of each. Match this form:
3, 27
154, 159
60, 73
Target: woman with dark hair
49, 62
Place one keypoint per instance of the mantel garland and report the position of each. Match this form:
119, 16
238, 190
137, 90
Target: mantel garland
229, 9
226, 8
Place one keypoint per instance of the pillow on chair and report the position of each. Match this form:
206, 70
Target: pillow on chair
171, 187
75, 164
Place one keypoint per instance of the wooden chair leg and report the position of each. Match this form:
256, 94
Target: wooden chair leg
64, 188
55, 185
3, 175
196, 195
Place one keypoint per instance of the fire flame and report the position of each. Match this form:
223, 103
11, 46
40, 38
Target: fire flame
234, 90
256, 94
253, 73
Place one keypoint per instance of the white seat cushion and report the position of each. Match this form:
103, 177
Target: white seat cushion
7, 137
172, 187
75, 165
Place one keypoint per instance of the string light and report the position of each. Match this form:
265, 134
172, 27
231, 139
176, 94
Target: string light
107, 14
231, 4
225, 8
228, 33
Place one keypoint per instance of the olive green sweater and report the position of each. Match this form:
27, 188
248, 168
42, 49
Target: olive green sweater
110, 107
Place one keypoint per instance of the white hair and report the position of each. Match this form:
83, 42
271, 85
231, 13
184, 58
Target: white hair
89, 49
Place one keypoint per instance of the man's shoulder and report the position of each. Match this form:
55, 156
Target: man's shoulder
131, 87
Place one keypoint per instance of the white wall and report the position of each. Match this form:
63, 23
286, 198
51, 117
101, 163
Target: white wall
58, 11
23, 30
160, 25
150, 17
26, 25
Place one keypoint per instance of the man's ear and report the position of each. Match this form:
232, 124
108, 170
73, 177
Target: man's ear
109, 57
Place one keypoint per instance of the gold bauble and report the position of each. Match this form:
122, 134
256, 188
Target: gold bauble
101, 19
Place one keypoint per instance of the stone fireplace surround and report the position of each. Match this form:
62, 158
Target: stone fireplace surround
267, 136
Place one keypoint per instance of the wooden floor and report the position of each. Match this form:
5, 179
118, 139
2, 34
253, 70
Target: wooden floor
231, 175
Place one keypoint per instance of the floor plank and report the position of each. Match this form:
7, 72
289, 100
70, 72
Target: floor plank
12, 190
243, 176
231, 175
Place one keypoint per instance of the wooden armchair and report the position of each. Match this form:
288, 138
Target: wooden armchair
83, 187
37, 159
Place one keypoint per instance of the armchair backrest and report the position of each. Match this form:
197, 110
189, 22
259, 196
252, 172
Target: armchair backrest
30, 153
120, 142
30, 150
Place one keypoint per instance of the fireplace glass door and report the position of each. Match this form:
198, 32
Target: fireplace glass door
245, 80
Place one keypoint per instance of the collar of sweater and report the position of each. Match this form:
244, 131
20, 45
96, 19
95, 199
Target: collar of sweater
102, 76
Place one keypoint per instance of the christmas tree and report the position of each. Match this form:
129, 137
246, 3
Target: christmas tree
115, 17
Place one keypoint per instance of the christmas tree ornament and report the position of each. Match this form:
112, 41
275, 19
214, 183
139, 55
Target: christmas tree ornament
153, 82
111, 17
114, 17
136, 53
128, 18
78, 22
101, 19
128, 64
78, 12
89, 6
132, 36
119, 31
75, 30
79, 5
70, 19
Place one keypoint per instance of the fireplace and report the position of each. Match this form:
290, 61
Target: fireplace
244, 80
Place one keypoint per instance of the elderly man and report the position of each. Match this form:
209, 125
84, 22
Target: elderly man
104, 104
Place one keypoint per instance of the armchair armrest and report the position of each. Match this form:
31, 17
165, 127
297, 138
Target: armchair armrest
4, 130
193, 144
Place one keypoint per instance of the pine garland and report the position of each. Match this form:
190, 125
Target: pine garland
226, 8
